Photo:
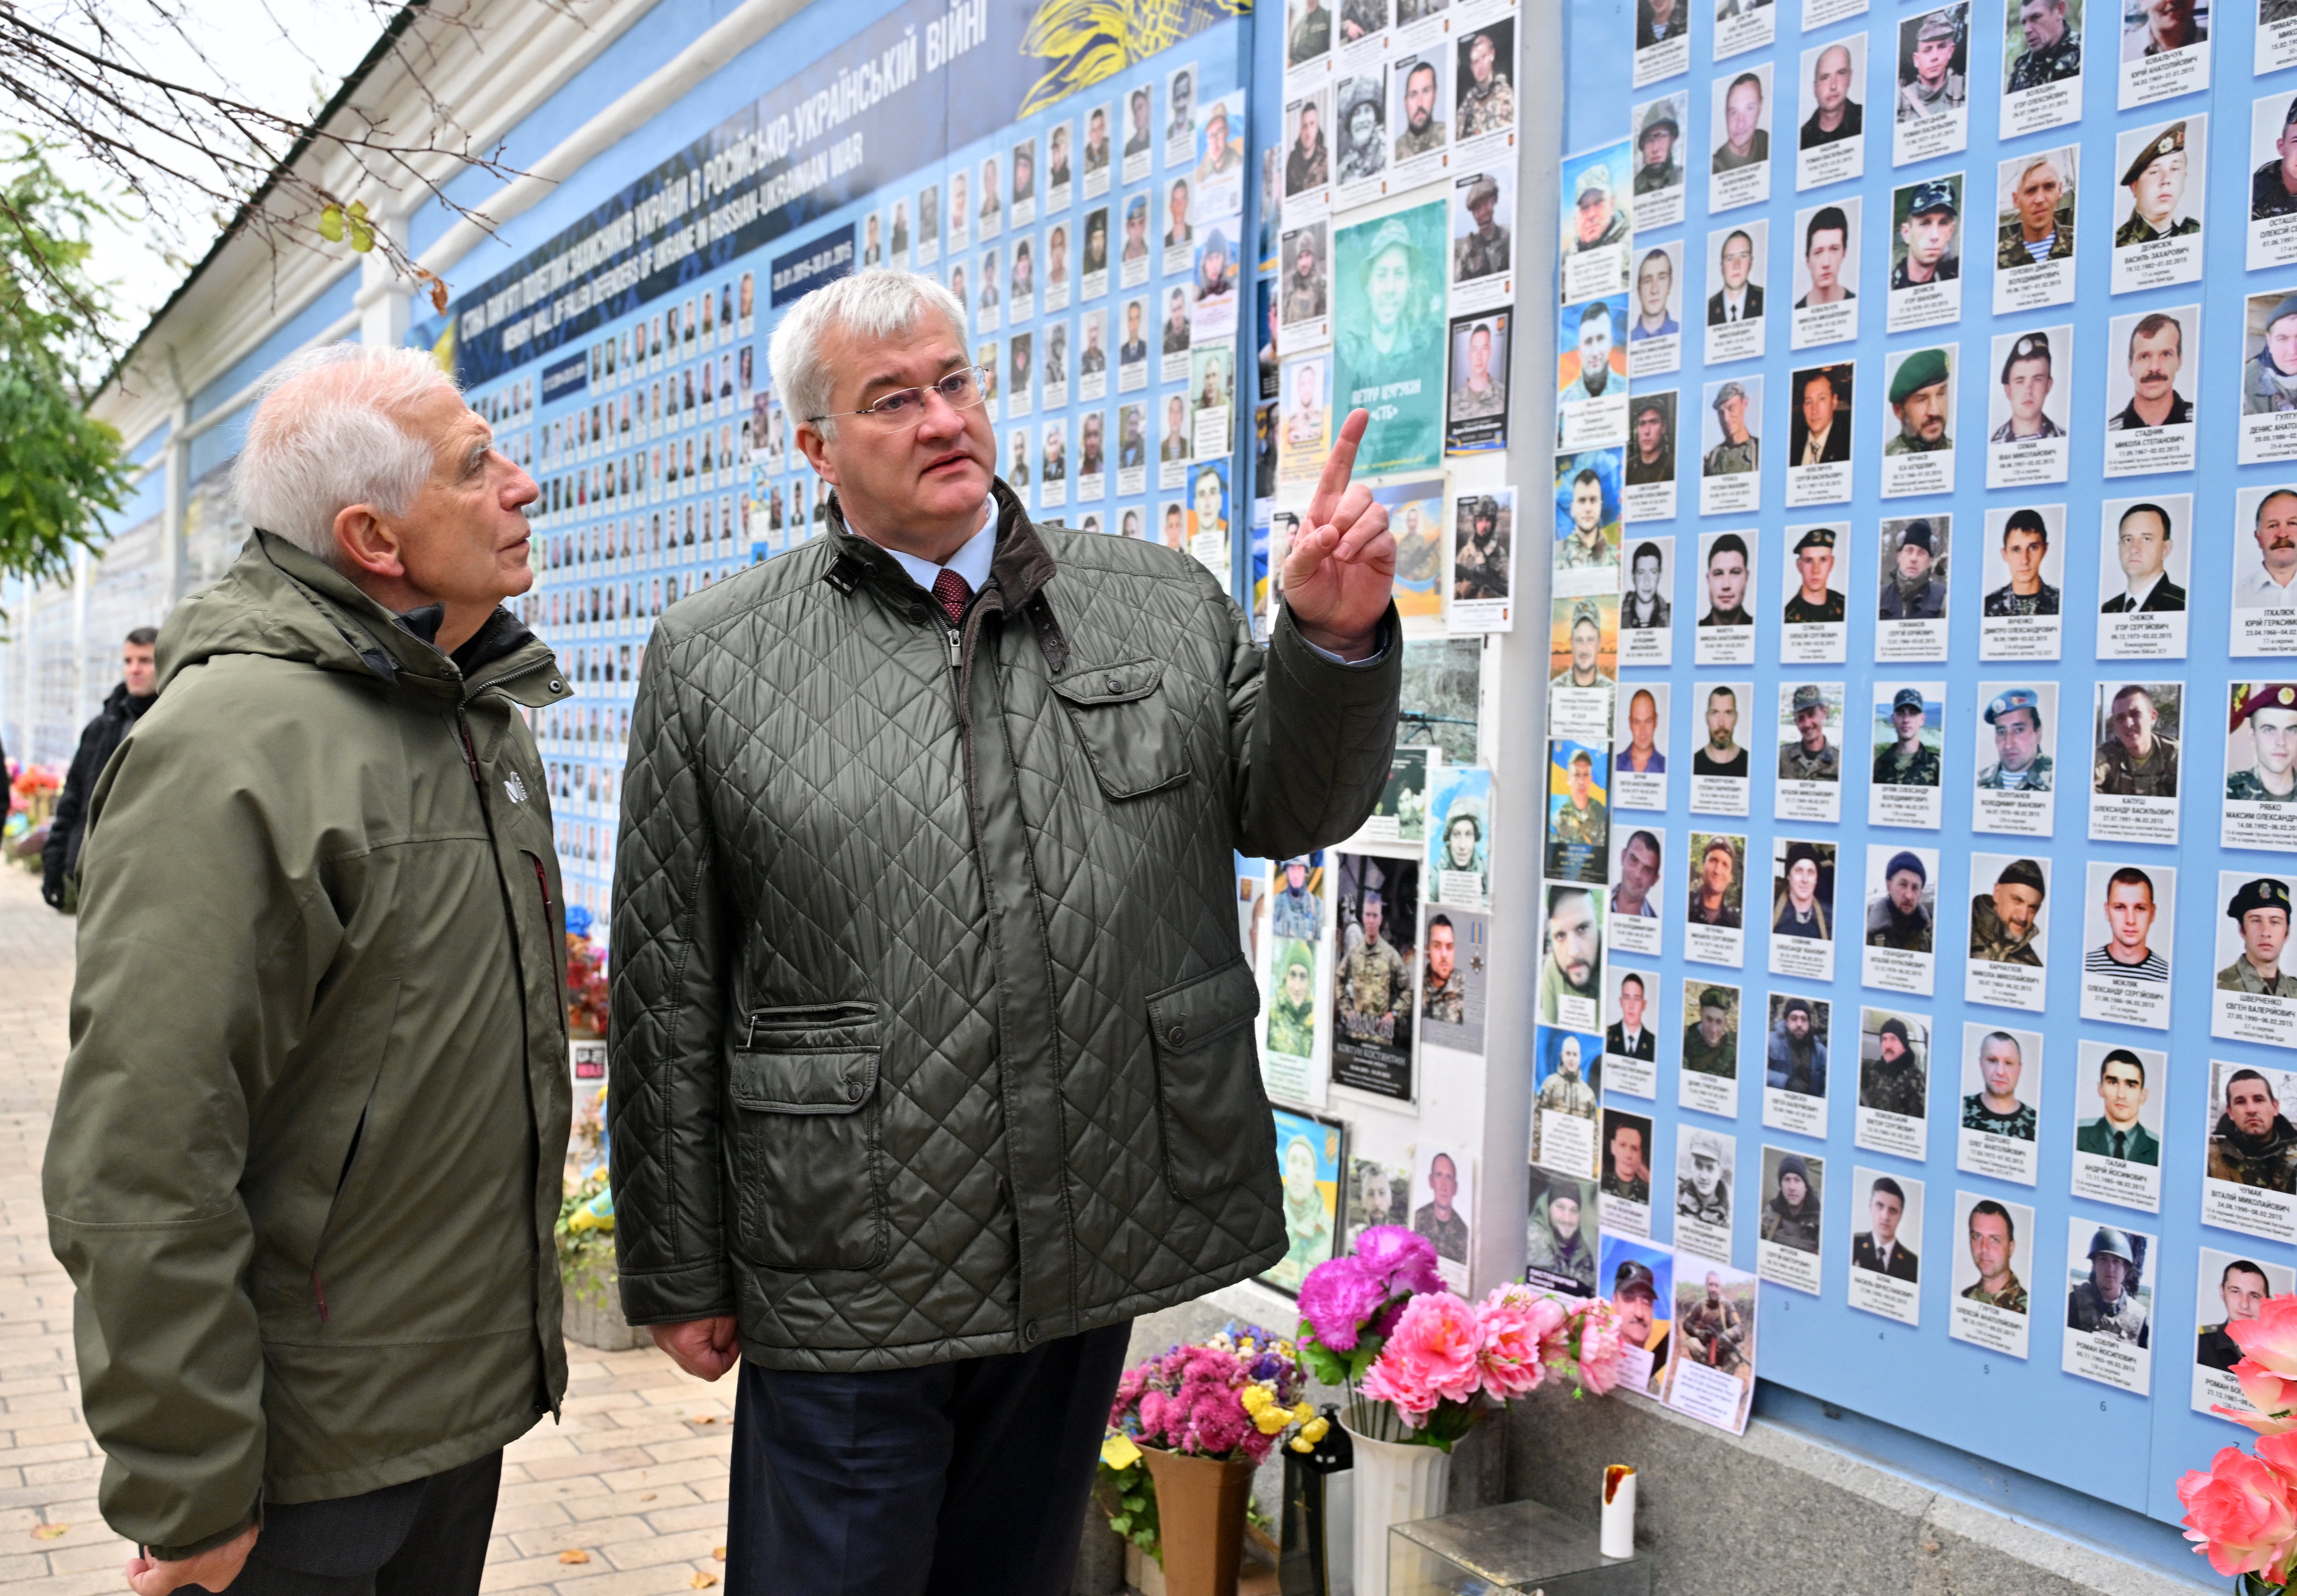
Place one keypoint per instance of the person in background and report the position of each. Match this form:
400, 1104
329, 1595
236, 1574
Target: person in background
306, 1159
139, 689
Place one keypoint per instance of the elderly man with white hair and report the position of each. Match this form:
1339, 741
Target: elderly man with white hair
305, 1161
933, 1060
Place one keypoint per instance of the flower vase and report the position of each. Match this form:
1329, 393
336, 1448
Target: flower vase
1200, 1504
1395, 1483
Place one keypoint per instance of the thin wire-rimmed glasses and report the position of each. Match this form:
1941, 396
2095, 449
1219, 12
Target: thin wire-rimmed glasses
960, 390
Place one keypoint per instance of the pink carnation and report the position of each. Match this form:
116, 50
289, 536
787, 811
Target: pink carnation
1338, 1297
2241, 1514
1599, 1346
1399, 1259
1512, 1325
1431, 1357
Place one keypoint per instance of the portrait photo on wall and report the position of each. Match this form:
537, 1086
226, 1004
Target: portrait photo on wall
1705, 1170
2231, 1288
1591, 378
2273, 181
2249, 1182
1596, 219
1901, 924
1730, 458
1584, 556
1379, 1193
1991, 1305
1483, 71
1789, 1233
1376, 915
1455, 964
1626, 1180
1483, 231
1389, 304
1932, 108
1559, 1238
1826, 272
1655, 330
1739, 139
2260, 767
2159, 207
1918, 426
1443, 1196
2268, 378
1819, 434
1711, 1369
2041, 65
1831, 144
2035, 210
1925, 253
1658, 181
1475, 408
1639, 1277
2109, 1334
1737, 263
1571, 970
1886, 1239
1567, 1091
1650, 477
1795, 1048
2001, 1092
1906, 725
1310, 1159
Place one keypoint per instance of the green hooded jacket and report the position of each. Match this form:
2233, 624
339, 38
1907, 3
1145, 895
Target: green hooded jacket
306, 1156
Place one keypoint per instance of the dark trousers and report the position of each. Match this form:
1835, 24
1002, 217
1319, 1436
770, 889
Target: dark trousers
951, 1480
427, 1537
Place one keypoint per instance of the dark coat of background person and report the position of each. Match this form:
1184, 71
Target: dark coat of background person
932, 1034
307, 1155
60, 854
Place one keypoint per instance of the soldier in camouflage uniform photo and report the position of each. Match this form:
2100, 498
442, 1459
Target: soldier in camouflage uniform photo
2133, 758
2019, 765
1907, 761
1993, 1236
2106, 1303
2052, 46
1486, 99
2261, 910
2253, 1143
1810, 755
1710, 1043
1894, 1081
2271, 711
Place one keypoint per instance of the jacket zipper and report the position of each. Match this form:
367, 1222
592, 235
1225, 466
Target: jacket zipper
956, 648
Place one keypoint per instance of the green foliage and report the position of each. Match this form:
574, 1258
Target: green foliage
1128, 1497
59, 467
586, 1258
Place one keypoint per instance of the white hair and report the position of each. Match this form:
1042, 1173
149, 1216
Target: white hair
878, 304
331, 429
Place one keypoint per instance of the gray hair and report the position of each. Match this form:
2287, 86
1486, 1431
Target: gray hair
330, 429
876, 304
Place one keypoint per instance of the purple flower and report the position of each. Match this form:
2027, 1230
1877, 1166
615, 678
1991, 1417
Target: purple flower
1336, 1299
1400, 1260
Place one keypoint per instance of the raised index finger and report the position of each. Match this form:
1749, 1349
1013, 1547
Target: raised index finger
1338, 467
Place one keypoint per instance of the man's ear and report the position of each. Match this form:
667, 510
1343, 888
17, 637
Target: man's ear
366, 543
817, 453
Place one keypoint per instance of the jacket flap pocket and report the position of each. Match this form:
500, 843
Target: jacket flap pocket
1185, 1017
1092, 685
817, 1081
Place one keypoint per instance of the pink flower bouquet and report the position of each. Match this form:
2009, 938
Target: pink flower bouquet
2242, 1512
1233, 1396
1424, 1366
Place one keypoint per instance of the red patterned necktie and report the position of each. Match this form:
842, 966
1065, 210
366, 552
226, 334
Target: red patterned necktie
950, 591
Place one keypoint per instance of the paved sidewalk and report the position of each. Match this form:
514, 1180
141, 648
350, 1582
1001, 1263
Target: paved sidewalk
632, 1485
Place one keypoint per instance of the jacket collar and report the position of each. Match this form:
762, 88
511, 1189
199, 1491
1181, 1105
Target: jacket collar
1022, 567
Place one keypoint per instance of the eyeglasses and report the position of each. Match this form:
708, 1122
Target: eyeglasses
960, 390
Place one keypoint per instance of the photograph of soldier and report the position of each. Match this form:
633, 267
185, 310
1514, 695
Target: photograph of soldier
2260, 912
1388, 303
2107, 1296
1292, 1006
2019, 765
1794, 1054
1309, 1151
1627, 1153
1791, 1216
1361, 19
1721, 754
1910, 756
1442, 1217
1928, 247
1481, 558
1702, 1178
2161, 27
2025, 547
1363, 126
2036, 215
1654, 304
1588, 536
1307, 158
1903, 911
1305, 285
1992, 1233
1645, 606
2252, 1142
2269, 709
1716, 1330
1379, 1194
1418, 83
1636, 1292
2154, 202
1828, 269
1310, 36
1559, 1238
1297, 907
1933, 63
1820, 432
1877, 1247
1741, 297
2045, 44
1915, 554
1444, 979
2144, 545
1742, 115
2272, 583
1658, 21
1479, 239
1651, 449
1659, 131
2128, 913
2268, 378
1894, 1064
1598, 369
1711, 1036
2241, 1288
991, 209
1175, 446
1997, 1107
2136, 756
2273, 186
1627, 1037
1728, 582
1922, 395
1834, 116
1802, 892
1573, 968
1578, 820
2005, 918
1806, 752
2028, 380
1733, 451
1372, 1040
1485, 101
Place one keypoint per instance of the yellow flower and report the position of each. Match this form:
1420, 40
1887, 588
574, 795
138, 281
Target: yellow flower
1303, 1413
1300, 1442
1270, 1422
1313, 1431
1117, 1451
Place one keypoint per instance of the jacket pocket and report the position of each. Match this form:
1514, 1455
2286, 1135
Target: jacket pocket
1131, 735
809, 1189
1211, 1108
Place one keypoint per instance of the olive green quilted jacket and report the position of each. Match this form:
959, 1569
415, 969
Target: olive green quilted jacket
306, 1158
932, 1034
